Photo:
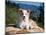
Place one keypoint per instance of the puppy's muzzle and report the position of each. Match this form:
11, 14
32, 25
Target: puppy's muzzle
23, 17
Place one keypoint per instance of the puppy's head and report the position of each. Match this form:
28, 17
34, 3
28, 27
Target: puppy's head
25, 13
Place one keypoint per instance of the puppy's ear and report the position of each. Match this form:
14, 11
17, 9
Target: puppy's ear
30, 12
19, 11
30, 15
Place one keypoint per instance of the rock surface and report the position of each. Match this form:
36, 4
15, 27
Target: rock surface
13, 30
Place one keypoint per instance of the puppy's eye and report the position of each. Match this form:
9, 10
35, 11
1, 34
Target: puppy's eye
28, 11
22, 13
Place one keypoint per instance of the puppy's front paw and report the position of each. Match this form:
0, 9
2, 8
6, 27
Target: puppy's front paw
27, 27
21, 27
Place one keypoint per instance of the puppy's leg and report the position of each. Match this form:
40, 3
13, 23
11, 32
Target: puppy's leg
30, 24
21, 27
27, 26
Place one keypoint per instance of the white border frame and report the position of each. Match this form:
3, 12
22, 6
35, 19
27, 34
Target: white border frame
2, 17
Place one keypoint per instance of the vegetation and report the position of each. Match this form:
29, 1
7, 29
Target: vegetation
11, 14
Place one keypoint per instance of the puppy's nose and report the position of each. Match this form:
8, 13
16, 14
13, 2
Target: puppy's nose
23, 17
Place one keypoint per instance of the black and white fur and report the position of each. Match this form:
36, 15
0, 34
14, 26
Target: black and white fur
25, 19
